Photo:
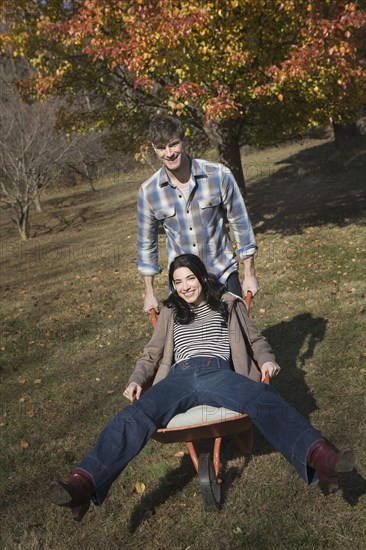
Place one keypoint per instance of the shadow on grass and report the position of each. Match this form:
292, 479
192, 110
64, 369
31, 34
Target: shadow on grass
171, 484
293, 343
317, 186
353, 486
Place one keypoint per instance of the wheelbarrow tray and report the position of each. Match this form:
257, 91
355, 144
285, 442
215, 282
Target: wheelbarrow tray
229, 423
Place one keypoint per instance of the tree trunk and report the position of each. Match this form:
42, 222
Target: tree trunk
346, 135
37, 201
225, 136
23, 224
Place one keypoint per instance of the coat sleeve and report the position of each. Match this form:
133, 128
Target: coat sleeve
148, 363
260, 349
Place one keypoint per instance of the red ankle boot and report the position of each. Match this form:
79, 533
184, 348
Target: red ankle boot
329, 463
74, 494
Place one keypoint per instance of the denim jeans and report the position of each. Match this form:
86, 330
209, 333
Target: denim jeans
199, 381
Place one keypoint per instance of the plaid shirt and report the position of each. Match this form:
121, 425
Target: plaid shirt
195, 226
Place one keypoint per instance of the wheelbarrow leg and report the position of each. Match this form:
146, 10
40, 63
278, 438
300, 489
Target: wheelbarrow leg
193, 454
216, 458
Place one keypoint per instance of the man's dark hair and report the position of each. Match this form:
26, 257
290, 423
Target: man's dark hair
211, 287
165, 128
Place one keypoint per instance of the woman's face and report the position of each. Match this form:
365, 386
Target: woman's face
188, 286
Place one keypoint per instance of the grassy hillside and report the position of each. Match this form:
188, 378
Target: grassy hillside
73, 327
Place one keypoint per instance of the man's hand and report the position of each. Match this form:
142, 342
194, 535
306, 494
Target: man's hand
250, 280
132, 392
272, 368
250, 283
150, 302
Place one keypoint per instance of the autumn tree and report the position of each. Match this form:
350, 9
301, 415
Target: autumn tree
327, 67
237, 71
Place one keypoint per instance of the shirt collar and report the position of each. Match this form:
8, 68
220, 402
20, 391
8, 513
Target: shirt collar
196, 170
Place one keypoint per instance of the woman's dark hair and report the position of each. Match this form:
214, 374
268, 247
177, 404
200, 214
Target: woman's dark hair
211, 287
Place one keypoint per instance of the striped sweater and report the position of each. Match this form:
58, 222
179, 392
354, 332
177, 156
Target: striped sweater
206, 335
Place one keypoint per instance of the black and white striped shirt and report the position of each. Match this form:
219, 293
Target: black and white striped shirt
206, 335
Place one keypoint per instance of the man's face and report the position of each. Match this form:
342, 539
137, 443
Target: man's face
171, 154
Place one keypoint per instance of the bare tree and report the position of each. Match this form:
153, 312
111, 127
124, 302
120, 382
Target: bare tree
31, 151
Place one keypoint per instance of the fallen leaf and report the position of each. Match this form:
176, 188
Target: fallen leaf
38, 381
179, 454
139, 487
24, 444
22, 380
262, 311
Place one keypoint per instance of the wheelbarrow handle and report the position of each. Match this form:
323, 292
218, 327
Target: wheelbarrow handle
248, 299
153, 317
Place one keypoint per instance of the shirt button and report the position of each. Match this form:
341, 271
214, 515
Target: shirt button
191, 228
194, 245
180, 196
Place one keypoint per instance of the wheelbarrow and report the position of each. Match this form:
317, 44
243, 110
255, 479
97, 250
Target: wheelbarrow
205, 422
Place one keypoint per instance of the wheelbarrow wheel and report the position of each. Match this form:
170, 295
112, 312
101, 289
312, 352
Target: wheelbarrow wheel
210, 489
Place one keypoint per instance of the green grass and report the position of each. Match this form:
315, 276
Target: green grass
73, 327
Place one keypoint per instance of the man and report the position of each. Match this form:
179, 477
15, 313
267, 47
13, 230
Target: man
192, 199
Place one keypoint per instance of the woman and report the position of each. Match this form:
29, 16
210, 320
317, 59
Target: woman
204, 351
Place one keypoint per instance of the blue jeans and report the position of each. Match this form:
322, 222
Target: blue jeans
199, 381
233, 284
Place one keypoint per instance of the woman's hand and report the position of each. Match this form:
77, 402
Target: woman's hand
272, 368
132, 392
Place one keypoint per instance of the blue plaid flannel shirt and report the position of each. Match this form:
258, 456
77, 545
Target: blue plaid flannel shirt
196, 226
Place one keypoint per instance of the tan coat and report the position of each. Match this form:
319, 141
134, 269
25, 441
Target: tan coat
158, 355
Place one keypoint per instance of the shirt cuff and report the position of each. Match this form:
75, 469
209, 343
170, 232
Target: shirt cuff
246, 253
148, 270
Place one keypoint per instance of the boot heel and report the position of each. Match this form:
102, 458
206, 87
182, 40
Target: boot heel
79, 511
